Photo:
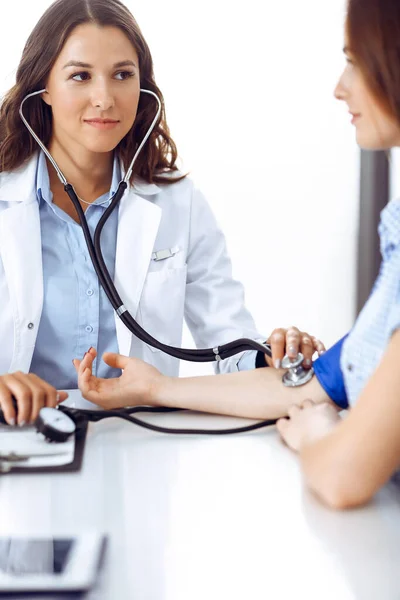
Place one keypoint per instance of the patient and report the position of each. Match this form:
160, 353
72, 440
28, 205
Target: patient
345, 462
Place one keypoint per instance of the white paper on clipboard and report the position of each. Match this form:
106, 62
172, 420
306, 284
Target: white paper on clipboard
26, 441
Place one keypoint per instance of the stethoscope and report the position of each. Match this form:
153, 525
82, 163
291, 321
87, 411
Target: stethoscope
295, 375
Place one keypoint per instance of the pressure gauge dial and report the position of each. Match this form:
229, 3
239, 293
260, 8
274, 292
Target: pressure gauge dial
55, 425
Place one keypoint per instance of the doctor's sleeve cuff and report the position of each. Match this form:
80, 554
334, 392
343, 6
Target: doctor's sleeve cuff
260, 360
251, 360
247, 361
329, 374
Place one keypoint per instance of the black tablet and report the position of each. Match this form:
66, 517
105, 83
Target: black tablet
50, 564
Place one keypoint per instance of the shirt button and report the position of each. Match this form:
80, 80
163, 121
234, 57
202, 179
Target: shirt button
350, 367
89, 328
90, 292
30, 326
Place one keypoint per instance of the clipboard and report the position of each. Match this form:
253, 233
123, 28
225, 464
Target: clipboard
73, 466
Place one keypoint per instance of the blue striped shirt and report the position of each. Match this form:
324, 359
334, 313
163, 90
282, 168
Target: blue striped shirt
380, 317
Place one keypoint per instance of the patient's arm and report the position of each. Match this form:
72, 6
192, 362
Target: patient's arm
258, 394
348, 466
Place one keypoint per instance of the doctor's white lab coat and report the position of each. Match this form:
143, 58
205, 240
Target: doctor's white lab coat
195, 283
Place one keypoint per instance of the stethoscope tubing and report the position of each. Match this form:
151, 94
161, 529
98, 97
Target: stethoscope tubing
84, 415
193, 355
217, 353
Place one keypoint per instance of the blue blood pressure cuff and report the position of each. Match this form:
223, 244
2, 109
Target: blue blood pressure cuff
327, 371
329, 374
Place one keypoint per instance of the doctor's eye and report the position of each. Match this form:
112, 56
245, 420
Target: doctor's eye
125, 75
83, 74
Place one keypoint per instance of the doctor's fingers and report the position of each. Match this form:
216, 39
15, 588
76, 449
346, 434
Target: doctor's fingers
293, 342
86, 362
318, 345
277, 342
6, 403
307, 349
86, 380
22, 394
52, 396
16, 384
37, 394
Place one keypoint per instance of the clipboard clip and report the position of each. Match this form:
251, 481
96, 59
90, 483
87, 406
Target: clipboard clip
12, 459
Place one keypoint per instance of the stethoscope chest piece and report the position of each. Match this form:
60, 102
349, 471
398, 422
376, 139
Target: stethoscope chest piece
54, 425
296, 374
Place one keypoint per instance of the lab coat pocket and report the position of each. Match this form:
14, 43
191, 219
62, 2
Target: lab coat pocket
161, 306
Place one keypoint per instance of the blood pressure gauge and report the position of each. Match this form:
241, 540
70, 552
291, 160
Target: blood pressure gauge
54, 424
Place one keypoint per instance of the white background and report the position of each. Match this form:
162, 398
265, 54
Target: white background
249, 97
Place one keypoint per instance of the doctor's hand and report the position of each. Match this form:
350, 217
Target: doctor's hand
135, 386
292, 341
31, 394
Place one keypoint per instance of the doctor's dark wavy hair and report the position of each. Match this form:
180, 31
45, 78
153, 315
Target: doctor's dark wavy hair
373, 32
41, 50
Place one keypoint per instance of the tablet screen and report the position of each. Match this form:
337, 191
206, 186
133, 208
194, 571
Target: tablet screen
50, 564
24, 556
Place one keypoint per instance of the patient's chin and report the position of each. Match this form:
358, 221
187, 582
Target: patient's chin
371, 141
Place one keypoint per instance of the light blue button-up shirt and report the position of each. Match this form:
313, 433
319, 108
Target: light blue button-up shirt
76, 312
380, 317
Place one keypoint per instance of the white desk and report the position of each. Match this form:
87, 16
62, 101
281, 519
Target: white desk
194, 518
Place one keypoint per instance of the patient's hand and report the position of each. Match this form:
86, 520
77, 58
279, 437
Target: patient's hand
307, 424
137, 384
292, 341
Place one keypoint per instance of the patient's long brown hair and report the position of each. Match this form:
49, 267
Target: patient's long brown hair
44, 44
373, 32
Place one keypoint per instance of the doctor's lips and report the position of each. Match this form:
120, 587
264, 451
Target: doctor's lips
102, 123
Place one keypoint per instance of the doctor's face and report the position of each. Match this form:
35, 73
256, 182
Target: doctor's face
375, 128
93, 89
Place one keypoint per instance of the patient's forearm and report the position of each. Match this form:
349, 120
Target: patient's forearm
258, 394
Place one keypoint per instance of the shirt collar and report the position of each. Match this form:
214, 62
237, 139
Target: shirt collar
44, 193
21, 184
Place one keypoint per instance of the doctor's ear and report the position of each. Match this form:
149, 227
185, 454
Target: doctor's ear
46, 97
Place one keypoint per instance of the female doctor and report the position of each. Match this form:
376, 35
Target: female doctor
162, 247
345, 461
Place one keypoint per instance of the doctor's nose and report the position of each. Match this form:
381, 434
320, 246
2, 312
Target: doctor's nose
102, 97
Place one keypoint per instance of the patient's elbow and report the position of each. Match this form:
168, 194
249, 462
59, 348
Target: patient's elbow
341, 490
338, 497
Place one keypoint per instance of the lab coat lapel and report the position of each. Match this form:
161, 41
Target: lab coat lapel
138, 223
21, 253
